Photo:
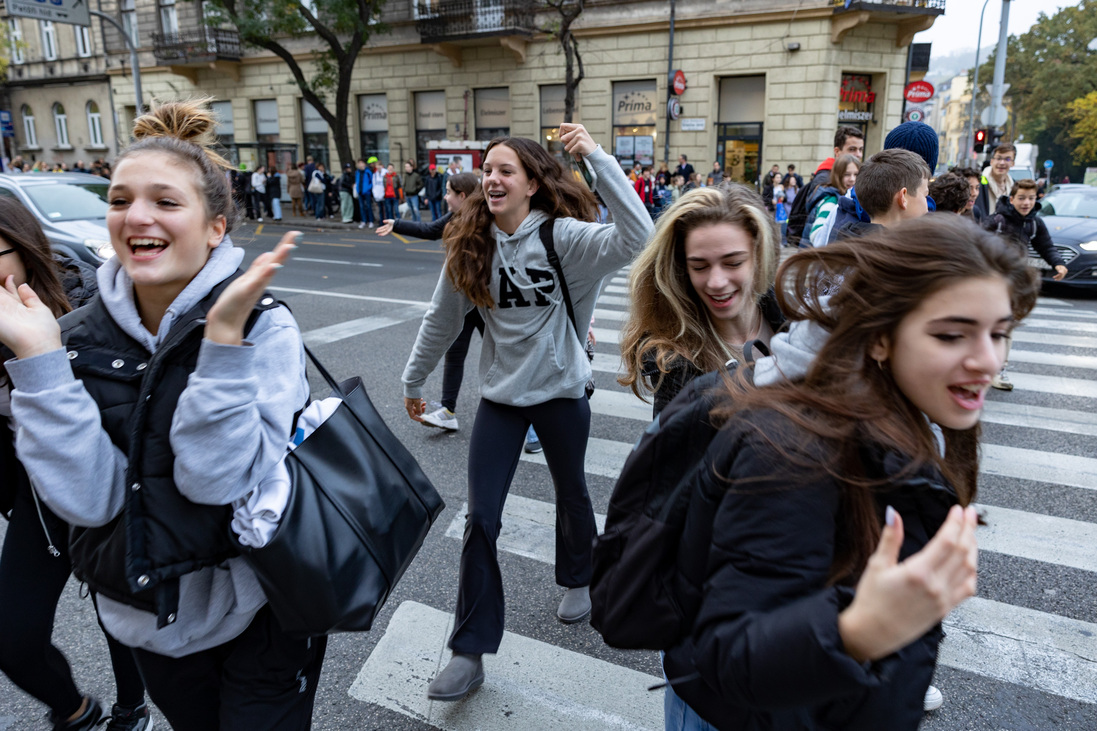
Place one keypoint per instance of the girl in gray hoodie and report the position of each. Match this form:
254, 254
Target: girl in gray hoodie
147, 413
533, 365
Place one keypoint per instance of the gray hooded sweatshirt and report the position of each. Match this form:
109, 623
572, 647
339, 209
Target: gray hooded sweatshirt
531, 351
230, 427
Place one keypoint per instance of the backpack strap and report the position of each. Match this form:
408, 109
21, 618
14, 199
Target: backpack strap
554, 260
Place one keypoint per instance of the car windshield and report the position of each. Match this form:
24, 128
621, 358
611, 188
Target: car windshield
70, 202
1080, 203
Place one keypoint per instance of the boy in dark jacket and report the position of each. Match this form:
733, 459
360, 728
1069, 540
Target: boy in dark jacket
891, 187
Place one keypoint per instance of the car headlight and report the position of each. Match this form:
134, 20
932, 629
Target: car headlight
1088, 246
100, 247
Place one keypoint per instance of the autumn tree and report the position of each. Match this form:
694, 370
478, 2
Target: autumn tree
560, 29
1083, 128
337, 29
1049, 67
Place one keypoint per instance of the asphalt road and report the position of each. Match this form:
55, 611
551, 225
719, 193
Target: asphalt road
1023, 656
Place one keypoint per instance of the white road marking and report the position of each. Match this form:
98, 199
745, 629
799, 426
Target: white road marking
607, 363
601, 314
528, 685
529, 527
1072, 341
604, 457
1062, 312
1063, 360
622, 404
360, 326
1018, 645
1054, 384
619, 281
1040, 417
343, 295
615, 289
1052, 302
607, 336
1046, 538
609, 299
1048, 467
1078, 327
334, 261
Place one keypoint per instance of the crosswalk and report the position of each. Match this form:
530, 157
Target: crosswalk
1029, 447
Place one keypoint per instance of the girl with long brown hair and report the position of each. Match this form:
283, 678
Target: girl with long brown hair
533, 366
837, 522
700, 290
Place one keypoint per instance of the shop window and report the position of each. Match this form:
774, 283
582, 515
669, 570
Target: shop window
316, 134
129, 20
492, 113
83, 40
373, 112
30, 132
95, 125
169, 20
15, 37
635, 111
49, 40
430, 120
61, 125
856, 101
224, 127
739, 128
552, 116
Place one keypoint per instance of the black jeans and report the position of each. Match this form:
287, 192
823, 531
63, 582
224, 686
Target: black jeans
453, 371
31, 582
262, 679
496, 445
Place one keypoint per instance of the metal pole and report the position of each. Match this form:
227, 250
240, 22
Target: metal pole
134, 64
975, 86
996, 89
670, 87
910, 60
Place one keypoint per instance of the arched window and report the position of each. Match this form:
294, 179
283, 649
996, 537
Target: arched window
61, 125
95, 125
29, 131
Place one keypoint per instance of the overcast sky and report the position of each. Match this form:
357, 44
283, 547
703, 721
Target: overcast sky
956, 29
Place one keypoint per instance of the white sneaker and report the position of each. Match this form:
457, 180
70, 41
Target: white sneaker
362, 225
260, 220
934, 699
442, 418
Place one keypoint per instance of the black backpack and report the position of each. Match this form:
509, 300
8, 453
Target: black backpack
637, 599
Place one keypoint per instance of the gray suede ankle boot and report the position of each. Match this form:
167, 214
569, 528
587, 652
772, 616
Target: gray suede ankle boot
463, 674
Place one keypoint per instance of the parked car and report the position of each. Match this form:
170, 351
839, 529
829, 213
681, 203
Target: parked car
1021, 173
71, 207
1070, 213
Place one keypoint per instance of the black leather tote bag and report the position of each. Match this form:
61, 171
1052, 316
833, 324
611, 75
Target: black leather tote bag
359, 509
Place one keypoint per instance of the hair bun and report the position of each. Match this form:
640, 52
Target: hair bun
189, 120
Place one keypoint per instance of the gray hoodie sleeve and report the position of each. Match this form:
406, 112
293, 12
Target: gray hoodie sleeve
441, 325
589, 251
75, 466
233, 421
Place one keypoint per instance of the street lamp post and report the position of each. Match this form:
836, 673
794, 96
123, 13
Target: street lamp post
975, 84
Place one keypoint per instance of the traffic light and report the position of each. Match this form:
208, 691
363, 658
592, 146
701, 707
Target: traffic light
980, 140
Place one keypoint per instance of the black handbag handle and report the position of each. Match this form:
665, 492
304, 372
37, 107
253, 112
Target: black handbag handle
320, 367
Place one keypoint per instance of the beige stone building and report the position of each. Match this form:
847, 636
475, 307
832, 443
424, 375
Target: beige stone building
768, 81
58, 93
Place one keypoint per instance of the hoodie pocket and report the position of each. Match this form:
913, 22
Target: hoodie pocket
532, 365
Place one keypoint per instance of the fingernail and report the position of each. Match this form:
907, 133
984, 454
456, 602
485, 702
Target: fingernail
277, 266
889, 516
297, 239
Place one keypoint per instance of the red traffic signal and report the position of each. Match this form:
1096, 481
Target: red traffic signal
980, 140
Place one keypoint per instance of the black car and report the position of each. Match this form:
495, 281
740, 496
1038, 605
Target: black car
1070, 213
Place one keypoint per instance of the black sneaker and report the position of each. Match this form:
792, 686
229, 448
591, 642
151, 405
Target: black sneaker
86, 721
129, 719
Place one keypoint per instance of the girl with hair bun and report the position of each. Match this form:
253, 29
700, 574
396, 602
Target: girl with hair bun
831, 527
147, 413
533, 365
35, 565
700, 291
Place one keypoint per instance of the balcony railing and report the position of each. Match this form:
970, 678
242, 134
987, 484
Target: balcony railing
197, 45
934, 7
459, 20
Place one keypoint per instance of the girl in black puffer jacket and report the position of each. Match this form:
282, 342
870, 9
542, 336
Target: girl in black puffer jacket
826, 539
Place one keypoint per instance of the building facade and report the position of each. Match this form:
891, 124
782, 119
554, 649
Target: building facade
767, 81
58, 93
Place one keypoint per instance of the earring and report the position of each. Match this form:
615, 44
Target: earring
880, 363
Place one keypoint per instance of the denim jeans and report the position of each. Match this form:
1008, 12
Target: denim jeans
413, 204
365, 204
678, 716
435, 209
390, 209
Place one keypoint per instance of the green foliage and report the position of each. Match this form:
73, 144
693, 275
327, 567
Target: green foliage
1083, 117
1047, 68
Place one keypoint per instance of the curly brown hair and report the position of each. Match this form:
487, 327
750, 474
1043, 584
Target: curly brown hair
469, 243
950, 193
846, 401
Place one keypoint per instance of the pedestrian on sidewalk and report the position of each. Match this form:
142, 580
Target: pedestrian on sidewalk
363, 187
534, 367
296, 189
346, 193
413, 184
700, 291
274, 194
147, 459
435, 190
842, 525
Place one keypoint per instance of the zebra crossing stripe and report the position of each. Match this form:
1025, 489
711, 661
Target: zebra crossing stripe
1046, 538
1063, 360
615, 315
605, 458
360, 326
1024, 646
529, 527
609, 299
1071, 341
619, 281
615, 289
1059, 312
1052, 302
528, 684
621, 404
1040, 417
1054, 384
1078, 327
612, 336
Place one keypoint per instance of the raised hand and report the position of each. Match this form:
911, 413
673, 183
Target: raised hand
896, 603
576, 139
226, 319
27, 326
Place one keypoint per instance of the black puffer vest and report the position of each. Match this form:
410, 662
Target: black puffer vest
138, 557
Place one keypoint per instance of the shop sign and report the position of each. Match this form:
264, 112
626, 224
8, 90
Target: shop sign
917, 92
492, 108
693, 124
850, 115
374, 109
679, 82
856, 98
430, 110
634, 103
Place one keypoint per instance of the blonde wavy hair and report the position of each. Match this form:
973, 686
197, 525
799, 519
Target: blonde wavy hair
667, 318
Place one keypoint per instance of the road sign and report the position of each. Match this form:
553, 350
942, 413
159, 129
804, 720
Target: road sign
994, 116
679, 82
915, 115
917, 92
74, 12
674, 109
7, 129
1048, 164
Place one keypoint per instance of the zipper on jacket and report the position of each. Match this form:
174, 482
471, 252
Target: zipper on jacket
52, 549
